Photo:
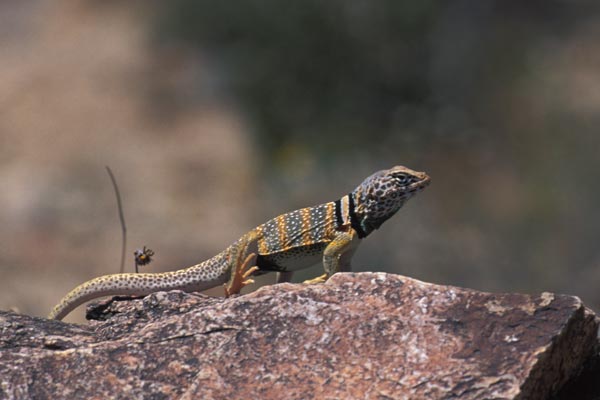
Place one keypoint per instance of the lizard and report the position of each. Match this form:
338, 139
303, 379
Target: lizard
329, 232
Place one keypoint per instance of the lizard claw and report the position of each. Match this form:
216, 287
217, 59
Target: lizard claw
249, 271
318, 279
241, 274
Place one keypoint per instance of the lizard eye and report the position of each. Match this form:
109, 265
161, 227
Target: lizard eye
402, 179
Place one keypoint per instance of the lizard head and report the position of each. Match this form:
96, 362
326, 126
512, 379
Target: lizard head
382, 194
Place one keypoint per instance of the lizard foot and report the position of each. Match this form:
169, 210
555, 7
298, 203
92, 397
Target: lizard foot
318, 279
240, 275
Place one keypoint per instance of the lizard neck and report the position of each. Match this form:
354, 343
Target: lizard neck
345, 215
360, 215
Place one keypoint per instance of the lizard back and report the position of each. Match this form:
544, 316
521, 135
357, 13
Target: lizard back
296, 239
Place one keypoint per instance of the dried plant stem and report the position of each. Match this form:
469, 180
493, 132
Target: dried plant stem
121, 218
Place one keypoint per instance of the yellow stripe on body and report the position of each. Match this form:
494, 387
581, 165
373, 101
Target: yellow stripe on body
282, 231
330, 218
262, 243
306, 228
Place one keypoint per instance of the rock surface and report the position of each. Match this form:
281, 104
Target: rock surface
360, 336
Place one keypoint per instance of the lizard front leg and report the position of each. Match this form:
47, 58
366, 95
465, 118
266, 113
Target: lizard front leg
337, 255
243, 263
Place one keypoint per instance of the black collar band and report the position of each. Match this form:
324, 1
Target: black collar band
354, 222
339, 220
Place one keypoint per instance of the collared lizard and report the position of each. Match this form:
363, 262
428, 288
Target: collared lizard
295, 240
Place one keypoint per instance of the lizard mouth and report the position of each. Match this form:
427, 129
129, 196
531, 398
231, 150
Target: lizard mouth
421, 183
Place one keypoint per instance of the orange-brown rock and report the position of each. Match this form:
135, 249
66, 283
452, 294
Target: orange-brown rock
358, 336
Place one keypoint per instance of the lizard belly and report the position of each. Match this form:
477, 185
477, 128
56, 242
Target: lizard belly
291, 259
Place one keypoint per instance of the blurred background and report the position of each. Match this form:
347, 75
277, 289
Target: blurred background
216, 116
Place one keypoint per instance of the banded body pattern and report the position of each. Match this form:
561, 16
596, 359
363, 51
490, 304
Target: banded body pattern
296, 240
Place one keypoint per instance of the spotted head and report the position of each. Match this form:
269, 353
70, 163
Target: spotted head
382, 194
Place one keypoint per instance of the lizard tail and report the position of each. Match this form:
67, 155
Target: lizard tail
199, 277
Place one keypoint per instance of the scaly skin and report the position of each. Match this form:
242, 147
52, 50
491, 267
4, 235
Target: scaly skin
329, 232
212, 272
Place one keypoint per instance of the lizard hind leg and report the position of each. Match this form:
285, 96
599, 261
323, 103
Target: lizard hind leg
243, 265
240, 275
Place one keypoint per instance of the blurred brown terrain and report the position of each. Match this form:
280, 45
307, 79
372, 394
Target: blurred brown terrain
212, 129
